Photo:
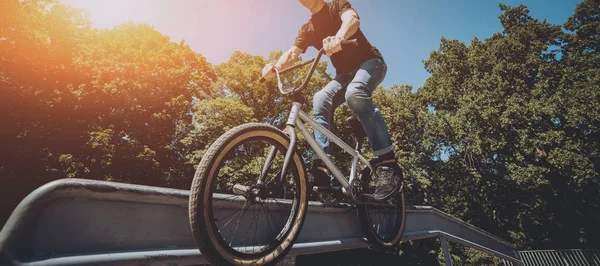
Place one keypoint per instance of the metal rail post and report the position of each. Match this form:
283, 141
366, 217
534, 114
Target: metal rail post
446, 252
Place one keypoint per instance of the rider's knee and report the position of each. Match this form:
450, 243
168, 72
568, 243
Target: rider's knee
358, 99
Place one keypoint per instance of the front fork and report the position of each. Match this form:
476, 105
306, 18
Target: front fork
255, 190
291, 132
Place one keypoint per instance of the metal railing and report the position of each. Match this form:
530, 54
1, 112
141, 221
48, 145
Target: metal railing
85, 222
567, 257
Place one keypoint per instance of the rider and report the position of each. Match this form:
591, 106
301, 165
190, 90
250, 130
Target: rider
359, 70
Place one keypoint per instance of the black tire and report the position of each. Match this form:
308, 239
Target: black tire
384, 241
203, 223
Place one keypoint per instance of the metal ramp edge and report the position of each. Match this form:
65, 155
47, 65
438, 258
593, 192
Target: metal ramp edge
88, 222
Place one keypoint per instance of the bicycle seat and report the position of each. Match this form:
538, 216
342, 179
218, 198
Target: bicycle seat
357, 127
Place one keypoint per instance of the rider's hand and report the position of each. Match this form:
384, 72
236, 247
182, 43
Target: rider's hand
332, 45
268, 70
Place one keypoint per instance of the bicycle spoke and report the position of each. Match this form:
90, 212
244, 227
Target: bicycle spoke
234, 215
255, 233
250, 226
228, 202
267, 215
237, 224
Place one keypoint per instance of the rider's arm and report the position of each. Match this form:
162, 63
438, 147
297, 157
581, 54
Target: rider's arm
288, 57
350, 24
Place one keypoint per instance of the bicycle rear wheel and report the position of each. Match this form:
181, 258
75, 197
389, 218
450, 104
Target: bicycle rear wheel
241, 212
383, 224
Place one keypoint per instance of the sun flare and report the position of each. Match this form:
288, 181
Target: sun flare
109, 13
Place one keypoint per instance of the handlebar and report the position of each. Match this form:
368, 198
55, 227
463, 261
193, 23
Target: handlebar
314, 60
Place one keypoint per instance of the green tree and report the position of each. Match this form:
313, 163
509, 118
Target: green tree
138, 91
79, 102
37, 42
577, 115
515, 120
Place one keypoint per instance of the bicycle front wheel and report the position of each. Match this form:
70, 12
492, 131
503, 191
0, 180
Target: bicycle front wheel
242, 212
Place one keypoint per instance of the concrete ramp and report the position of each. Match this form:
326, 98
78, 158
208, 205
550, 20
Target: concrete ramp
88, 222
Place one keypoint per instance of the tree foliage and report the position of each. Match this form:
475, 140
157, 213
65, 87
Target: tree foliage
79, 102
517, 115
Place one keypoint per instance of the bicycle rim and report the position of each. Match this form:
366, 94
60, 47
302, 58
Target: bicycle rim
246, 228
383, 225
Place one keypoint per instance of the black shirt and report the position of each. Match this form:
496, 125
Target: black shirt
326, 22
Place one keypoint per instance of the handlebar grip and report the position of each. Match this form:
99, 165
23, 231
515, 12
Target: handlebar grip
349, 43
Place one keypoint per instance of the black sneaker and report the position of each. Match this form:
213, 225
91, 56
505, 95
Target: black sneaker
388, 183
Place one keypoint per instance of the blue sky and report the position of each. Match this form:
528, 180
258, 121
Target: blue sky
404, 31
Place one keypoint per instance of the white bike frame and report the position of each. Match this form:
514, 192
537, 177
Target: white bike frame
297, 119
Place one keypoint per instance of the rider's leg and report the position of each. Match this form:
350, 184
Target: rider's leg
358, 95
325, 102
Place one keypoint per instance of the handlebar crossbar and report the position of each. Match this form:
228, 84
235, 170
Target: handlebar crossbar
314, 60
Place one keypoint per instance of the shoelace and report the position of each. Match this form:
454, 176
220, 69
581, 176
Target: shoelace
386, 176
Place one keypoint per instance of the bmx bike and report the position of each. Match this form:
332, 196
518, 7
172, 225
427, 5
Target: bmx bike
253, 177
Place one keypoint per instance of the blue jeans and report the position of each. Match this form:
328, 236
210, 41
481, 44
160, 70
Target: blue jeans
355, 88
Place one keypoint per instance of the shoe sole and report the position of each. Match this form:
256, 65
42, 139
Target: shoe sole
389, 195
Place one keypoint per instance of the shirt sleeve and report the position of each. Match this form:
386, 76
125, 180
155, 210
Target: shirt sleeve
304, 38
343, 6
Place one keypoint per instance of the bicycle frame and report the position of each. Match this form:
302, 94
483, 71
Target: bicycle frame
298, 118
